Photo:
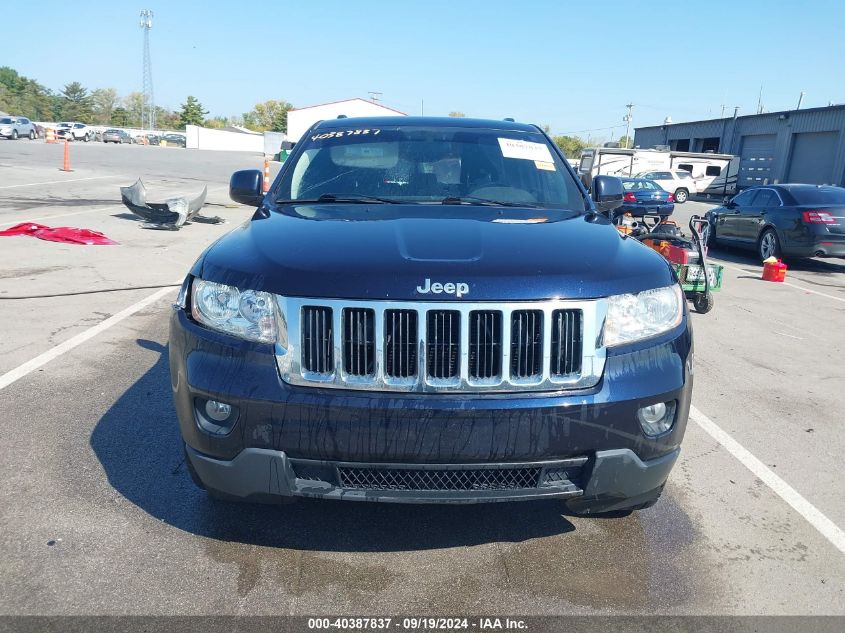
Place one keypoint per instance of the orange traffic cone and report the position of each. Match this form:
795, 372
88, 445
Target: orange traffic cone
266, 186
66, 166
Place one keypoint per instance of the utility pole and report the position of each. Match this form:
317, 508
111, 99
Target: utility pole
148, 108
722, 116
628, 118
375, 97
800, 99
760, 101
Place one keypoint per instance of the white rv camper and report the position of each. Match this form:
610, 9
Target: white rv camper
714, 174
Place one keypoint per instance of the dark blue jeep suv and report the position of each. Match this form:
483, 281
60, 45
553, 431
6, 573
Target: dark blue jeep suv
431, 310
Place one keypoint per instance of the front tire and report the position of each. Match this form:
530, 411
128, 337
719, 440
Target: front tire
14, 135
86, 138
768, 245
32, 135
681, 196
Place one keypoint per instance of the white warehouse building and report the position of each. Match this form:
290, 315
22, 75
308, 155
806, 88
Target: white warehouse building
300, 119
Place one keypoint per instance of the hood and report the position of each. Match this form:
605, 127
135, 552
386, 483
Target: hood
403, 252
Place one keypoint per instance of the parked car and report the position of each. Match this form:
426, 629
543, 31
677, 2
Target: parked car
145, 139
371, 333
116, 136
645, 197
789, 220
679, 182
177, 140
15, 127
74, 131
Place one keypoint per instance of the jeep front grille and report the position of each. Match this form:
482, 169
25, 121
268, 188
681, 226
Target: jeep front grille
443, 336
400, 343
359, 352
317, 340
442, 347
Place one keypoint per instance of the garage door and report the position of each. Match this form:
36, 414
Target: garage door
812, 158
756, 160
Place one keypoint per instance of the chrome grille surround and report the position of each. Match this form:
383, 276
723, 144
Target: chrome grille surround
592, 361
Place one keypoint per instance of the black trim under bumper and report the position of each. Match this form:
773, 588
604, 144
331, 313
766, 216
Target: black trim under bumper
610, 480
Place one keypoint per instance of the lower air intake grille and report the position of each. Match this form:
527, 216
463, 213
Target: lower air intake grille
317, 340
475, 479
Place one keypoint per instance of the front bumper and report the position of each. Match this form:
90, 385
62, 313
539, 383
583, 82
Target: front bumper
608, 480
294, 441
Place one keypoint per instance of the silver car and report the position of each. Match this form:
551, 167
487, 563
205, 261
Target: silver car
14, 127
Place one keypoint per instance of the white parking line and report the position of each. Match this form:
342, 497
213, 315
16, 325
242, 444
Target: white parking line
56, 182
28, 367
813, 515
786, 283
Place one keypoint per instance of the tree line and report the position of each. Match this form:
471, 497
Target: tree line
22, 96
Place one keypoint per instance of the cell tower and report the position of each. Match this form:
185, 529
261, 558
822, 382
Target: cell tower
148, 106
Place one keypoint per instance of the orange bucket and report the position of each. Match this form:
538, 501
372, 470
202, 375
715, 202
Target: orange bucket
774, 270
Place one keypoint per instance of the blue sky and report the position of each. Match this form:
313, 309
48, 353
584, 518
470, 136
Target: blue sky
571, 64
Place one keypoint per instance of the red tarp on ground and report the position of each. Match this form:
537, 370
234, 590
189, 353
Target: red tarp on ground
64, 234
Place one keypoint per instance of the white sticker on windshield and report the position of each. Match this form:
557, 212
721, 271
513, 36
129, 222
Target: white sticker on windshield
526, 150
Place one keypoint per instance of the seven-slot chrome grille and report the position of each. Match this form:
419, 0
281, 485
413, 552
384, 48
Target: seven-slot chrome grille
441, 347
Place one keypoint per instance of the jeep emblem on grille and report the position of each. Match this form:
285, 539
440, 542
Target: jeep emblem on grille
450, 288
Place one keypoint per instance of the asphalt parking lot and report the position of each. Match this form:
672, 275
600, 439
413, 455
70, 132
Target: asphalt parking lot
98, 514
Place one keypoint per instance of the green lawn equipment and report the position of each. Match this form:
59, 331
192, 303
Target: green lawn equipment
687, 255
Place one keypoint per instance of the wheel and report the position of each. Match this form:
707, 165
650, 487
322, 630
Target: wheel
703, 303
768, 245
681, 196
14, 135
86, 138
32, 135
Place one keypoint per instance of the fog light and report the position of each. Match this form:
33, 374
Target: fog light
214, 417
657, 418
218, 411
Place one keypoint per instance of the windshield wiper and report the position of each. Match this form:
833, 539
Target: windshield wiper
484, 202
344, 198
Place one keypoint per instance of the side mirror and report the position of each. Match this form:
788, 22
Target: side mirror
245, 187
730, 204
607, 193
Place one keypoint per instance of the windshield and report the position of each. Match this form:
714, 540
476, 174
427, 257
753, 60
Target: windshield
820, 195
431, 165
5, 120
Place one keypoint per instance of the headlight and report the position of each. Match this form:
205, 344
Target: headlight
248, 314
635, 317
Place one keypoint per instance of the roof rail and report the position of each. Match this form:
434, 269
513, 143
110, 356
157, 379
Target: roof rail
509, 118
341, 116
